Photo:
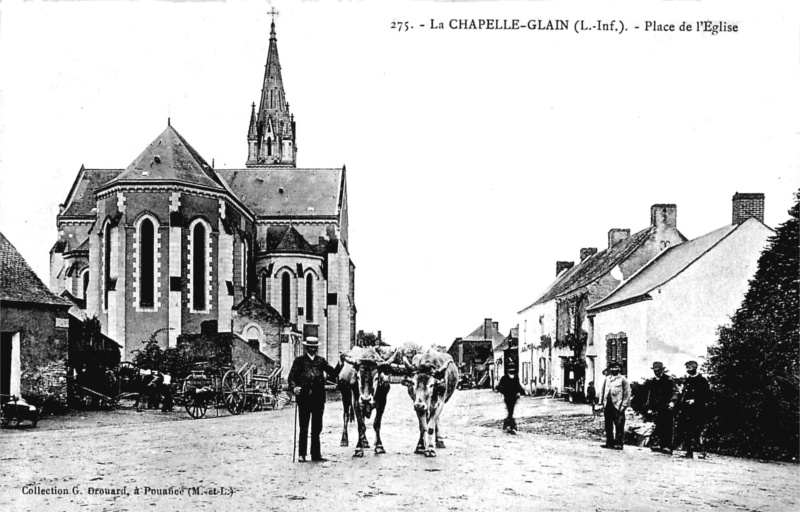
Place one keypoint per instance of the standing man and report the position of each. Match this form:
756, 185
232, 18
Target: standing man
307, 381
662, 396
694, 399
511, 389
615, 398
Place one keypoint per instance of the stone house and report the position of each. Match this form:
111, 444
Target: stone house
670, 309
555, 331
34, 334
474, 353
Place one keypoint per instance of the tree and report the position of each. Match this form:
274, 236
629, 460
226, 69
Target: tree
754, 366
409, 349
367, 339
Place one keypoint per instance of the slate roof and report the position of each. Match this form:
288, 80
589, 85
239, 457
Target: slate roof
293, 241
253, 304
495, 336
512, 335
594, 267
19, 283
80, 200
170, 158
663, 268
277, 193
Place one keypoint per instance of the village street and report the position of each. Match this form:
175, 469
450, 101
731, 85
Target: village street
247, 461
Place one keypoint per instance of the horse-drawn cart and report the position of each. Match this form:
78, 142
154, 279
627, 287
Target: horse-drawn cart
209, 386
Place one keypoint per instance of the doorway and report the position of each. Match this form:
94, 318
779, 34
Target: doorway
9, 363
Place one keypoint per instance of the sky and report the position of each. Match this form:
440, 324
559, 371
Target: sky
475, 158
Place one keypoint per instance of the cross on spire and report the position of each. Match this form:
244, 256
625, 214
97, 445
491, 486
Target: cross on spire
273, 13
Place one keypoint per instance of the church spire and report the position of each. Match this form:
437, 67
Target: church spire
273, 143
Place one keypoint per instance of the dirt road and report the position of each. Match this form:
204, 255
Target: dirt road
245, 463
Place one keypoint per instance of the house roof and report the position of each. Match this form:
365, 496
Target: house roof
253, 305
80, 200
594, 267
663, 268
279, 193
19, 283
512, 335
169, 158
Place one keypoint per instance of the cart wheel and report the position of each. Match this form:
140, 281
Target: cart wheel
196, 407
233, 392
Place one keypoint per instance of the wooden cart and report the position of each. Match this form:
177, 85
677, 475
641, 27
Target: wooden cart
207, 386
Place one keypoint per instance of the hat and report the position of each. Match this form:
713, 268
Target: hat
311, 341
614, 364
691, 363
658, 366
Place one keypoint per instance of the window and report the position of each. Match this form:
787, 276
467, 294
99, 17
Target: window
106, 264
269, 146
146, 264
264, 286
286, 289
309, 298
85, 280
199, 267
617, 350
244, 267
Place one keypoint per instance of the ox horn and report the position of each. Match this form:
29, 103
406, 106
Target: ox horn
442, 368
389, 359
351, 362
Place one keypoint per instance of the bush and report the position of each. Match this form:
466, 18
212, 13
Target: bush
755, 366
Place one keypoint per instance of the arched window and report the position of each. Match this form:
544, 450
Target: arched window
286, 289
309, 298
199, 267
264, 287
106, 264
85, 281
244, 267
147, 258
269, 146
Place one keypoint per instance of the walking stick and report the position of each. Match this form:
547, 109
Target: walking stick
294, 442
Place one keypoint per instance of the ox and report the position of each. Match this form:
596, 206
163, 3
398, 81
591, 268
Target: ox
434, 379
364, 385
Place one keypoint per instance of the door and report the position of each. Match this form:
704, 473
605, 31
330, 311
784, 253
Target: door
6, 343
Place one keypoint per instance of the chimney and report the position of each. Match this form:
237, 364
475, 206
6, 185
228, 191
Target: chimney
588, 251
746, 206
617, 235
563, 265
496, 326
487, 328
664, 216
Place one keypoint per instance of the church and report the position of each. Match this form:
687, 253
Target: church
171, 244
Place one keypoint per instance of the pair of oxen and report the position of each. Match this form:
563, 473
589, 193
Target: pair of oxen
430, 377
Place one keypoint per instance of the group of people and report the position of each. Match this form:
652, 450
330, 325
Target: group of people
663, 401
310, 371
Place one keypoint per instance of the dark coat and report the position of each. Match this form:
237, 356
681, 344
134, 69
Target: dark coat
695, 388
310, 376
509, 387
662, 391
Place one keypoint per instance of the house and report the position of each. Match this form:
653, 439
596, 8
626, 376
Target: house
555, 330
505, 352
34, 334
474, 353
170, 242
670, 309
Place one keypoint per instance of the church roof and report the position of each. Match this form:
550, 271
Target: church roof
252, 306
664, 267
288, 193
18, 281
81, 201
292, 241
170, 158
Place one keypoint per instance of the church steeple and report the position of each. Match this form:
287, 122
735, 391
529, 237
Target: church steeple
271, 135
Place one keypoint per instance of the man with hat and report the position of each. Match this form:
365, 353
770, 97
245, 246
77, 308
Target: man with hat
615, 398
511, 389
661, 399
307, 381
693, 402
